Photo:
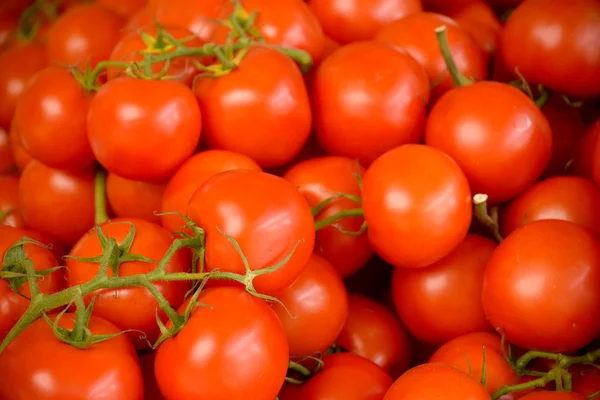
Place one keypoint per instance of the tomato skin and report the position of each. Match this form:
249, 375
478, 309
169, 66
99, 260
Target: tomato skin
436, 211
271, 218
37, 344
274, 101
127, 127
238, 328
123, 8
549, 257
20, 155
9, 201
415, 34
199, 17
541, 33
554, 396
356, 107
135, 199
586, 380
7, 159
492, 130
583, 164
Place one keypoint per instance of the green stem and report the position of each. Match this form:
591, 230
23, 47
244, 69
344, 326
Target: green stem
562, 360
301, 369
325, 222
535, 383
490, 221
302, 57
544, 96
163, 303
101, 216
80, 319
457, 77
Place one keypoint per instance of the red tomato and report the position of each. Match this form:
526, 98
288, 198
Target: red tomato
151, 391
356, 104
586, 380
417, 203
262, 98
436, 381
496, 134
209, 357
30, 370
568, 198
583, 164
477, 18
416, 35
290, 391
123, 8
199, 17
564, 35
20, 155
134, 307
191, 175
442, 301
51, 118
321, 178
143, 129
56, 202
57, 249
355, 20
374, 332
135, 199
268, 218
9, 23
533, 266
84, 34
9, 202
7, 159
554, 396
142, 18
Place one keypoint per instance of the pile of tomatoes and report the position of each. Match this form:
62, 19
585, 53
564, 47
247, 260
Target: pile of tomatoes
301, 200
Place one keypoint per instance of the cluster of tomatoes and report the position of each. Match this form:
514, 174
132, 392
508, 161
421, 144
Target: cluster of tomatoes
302, 200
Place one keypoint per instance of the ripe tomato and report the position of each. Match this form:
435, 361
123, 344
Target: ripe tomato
321, 178
535, 264
199, 17
143, 129
135, 199
123, 8
374, 332
586, 380
417, 203
416, 35
554, 396
351, 21
55, 135
496, 134
209, 357
133, 307
540, 33
84, 34
29, 367
142, 18
262, 98
584, 161
56, 202
268, 218
20, 155
442, 301
356, 106
9, 202
191, 175
7, 159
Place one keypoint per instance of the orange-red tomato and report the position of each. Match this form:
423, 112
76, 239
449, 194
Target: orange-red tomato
9, 202
199, 17
134, 199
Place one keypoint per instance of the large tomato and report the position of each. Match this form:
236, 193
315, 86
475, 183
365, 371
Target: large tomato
9, 202
357, 109
233, 347
526, 277
417, 203
135, 199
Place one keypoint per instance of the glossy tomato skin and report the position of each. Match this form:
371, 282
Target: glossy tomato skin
415, 34
7, 158
130, 308
356, 107
496, 134
274, 100
130, 135
319, 179
541, 33
540, 261
9, 202
417, 203
114, 358
265, 214
135, 199
235, 329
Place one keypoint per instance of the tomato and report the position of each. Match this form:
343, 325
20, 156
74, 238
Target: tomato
199, 17
233, 348
374, 332
142, 18
586, 380
134, 307
583, 163
262, 98
356, 106
268, 218
554, 396
496, 134
535, 264
18, 64
290, 391
568, 198
355, 20
7, 159
348, 376
417, 203
540, 33
9, 201
135, 199
143, 129
416, 35
56, 202
151, 391
123, 8
30, 370
84, 34
20, 155
8, 26
467, 354
520, 393
321, 178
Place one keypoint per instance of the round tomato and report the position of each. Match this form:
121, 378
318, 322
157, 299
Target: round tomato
233, 347
586, 380
356, 106
202, 18
9, 202
268, 218
135, 199
7, 159
417, 204
529, 271
554, 396
584, 160
123, 8
142, 18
